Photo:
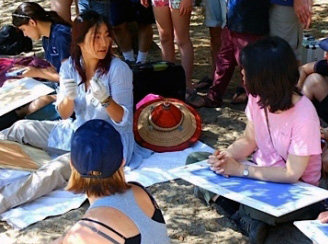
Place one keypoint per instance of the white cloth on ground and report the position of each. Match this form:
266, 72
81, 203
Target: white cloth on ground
153, 170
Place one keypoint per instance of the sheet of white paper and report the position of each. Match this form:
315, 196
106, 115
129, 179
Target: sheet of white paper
19, 92
153, 170
276, 199
314, 230
157, 168
55, 203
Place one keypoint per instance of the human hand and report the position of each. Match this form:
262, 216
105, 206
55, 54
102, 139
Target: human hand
69, 87
324, 133
144, 3
323, 217
303, 11
98, 90
224, 164
185, 7
302, 78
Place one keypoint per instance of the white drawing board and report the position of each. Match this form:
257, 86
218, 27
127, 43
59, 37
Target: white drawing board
276, 199
20, 92
314, 230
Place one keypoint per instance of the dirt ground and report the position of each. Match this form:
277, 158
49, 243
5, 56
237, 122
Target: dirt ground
188, 220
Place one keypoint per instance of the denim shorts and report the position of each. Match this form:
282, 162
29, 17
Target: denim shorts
175, 4
119, 11
215, 13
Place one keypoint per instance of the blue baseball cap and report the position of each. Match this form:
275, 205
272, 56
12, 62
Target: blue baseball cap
96, 149
324, 44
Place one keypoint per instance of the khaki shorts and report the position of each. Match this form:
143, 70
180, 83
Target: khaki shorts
284, 23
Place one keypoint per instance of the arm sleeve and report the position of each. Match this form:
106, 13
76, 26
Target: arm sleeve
321, 67
305, 139
121, 89
63, 41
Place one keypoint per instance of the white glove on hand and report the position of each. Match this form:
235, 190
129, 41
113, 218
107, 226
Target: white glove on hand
98, 90
69, 87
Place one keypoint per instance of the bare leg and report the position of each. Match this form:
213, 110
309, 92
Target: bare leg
315, 87
145, 37
182, 36
63, 8
324, 157
215, 34
165, 29
35, 105
123, 37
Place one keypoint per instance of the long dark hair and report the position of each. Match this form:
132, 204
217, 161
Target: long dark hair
81, 25
32, 10
271, 72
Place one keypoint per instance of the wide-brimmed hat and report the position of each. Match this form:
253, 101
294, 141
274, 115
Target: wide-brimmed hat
166, 124
96, 149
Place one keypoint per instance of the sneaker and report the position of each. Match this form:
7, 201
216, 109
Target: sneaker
256, 230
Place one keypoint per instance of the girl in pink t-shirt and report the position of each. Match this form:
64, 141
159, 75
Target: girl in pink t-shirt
282, 133
283, 128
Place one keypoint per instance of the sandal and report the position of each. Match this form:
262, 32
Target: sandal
240, 96
203, 101
204, 83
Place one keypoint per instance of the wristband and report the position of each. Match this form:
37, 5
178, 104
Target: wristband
106, 102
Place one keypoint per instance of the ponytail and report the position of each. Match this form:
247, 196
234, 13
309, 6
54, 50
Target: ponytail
32, 10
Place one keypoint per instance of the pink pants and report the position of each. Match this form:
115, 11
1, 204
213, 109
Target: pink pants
226, 61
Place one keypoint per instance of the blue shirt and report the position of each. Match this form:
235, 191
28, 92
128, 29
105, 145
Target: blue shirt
118, 80
249, 16
57, 46
283, 2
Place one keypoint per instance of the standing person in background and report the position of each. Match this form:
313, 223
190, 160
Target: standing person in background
173, 22
215, 20
287, 20
119, 13
247, 21
120, 211
63, 8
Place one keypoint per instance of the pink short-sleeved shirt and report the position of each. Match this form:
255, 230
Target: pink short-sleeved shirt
295, 131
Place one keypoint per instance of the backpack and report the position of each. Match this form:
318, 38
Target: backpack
13, 41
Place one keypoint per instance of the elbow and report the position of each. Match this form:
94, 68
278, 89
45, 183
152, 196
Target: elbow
292, 178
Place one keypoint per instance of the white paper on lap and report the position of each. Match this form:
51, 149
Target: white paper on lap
15, 94
314, 230
276, 199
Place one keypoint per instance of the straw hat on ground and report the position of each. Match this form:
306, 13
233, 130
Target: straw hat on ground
166, 124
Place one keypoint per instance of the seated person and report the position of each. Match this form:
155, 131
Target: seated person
313, 83
35, 22
94, 85
284, 142
120, 211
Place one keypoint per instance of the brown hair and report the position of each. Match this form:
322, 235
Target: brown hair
32, 10
98, 187
81, 25
271, 72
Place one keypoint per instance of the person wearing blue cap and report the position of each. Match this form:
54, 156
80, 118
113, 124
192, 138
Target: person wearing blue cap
120, 211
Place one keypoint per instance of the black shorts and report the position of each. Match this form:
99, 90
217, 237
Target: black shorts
122, 11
